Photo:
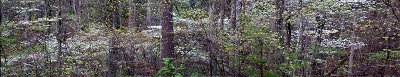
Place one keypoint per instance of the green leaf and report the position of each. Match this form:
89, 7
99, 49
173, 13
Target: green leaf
271, 74
386, 38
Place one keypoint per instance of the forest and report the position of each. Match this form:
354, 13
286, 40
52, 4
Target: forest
200, 38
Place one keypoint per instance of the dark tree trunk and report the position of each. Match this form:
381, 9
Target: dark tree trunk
261, 65
48, 13
288, 33
1, 13
222, 9
212, 23
233, 15
1, 46
212, 38
278, 27
315, 65
167, 49
76, 5
60, 38
132, 14
149, 13
113, 56
279, 22
233, 23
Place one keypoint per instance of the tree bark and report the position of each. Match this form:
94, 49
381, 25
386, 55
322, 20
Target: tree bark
76, 10
210, 35
60, 35
1, 46
233, 14
278, 27
149, 13
113, 57
48, 13
352, 49
1, 13
167, 49
320, 26
233, 24
132, 14
279, 22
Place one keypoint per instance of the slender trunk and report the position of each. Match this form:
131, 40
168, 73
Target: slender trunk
211, 35
1, 46
351, 57
352, 49
288, 35
279, 22
132, 14
238, 29
113, 57
76, 12
320, 26
387, 54
301, 32
1, 12
233, 14
278, 27
301, 38
233, 24
48, 13
60, 36
167, 30
119, 14
211, 66
261, 65
221, 8
149, 13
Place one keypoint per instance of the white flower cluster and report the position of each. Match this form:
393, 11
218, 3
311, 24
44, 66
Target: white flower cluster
341, 43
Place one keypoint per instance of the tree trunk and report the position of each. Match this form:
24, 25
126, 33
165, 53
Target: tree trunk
221, 8
60, 37
113, 58
48, 13
1, 13
278, 27
210, 35
289, 35
167, 49
149, 13
132, 14
352, 49
233, 14
76, 10
261, 65
317, 55
279, 22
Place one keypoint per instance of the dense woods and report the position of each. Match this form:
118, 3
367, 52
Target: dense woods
244, 38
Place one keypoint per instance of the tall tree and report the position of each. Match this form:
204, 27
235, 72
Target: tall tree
167, 34
352, 49
60, 35
149, 13
279, 23
1, 12
132, 13
1, 46
233, 14
113, 58
76, 10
